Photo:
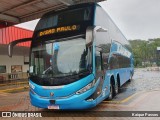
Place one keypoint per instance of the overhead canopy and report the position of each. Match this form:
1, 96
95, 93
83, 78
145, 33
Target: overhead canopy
17, 11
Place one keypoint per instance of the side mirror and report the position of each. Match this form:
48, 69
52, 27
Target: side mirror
13, 43
89, 36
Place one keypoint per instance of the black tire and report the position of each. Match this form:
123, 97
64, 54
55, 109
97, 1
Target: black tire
116, 89
110, 97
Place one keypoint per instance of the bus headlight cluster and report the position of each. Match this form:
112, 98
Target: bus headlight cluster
87, 87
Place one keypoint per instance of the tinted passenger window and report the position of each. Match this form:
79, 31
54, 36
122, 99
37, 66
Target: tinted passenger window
113, 62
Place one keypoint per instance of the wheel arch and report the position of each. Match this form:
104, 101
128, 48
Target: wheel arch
112, 79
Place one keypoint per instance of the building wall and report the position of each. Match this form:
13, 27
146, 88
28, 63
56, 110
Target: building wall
8, 35
10, 62
15, 60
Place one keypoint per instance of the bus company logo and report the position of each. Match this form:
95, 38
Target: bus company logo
6, 114
59, 29
51, 94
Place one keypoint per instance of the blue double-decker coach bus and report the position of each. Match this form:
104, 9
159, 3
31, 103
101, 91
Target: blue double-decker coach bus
78, 58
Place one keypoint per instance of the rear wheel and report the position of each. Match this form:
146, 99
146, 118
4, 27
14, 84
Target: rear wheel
116, 89
110, 97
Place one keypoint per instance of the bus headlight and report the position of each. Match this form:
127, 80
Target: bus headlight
87, 87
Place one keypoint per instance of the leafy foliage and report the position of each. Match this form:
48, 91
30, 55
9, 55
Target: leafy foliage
145, 52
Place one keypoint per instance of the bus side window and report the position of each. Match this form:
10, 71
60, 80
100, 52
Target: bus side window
113, 63
105, 62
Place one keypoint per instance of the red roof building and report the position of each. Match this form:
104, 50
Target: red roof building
12, 33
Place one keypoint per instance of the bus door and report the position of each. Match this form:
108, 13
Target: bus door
99, 72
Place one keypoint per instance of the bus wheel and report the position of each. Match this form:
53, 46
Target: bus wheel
116, 89
111, 92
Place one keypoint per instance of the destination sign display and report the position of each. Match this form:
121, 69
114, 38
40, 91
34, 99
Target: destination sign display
58, 30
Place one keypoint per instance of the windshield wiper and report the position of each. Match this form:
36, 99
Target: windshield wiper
50, 68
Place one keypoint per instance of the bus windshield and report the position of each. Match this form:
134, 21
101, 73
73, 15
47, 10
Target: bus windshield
59, 59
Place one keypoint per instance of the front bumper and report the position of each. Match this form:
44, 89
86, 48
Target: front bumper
72, 102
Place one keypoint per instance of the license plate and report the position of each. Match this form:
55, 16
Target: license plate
56, 107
